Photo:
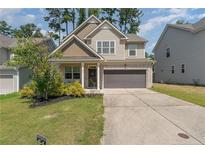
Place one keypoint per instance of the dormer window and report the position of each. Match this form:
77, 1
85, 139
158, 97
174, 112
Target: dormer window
168, 52
132, 50
106, 47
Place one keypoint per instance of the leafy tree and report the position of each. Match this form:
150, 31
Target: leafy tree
36, 58
6, 29
28, 30
82, 16
182, 22
129, 19
94, 11
109, 15
149, 56
55, 19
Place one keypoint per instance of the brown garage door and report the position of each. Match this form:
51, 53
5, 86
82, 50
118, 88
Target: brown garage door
124, 78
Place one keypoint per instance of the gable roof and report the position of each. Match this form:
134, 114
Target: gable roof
192, 28
135, 38
7, 42
81, 42
10, 42
111, 25
81, 25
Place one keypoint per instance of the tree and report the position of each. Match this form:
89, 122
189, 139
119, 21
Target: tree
149, 56
73, 17
36, 58
6, 29
109, 15
82, 16
94, 11
182, 22
129, 20
54, 20
28, 30
67, 17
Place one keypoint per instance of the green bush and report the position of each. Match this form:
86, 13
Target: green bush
75, 89
29, 91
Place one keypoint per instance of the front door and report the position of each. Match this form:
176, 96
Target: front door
92, 78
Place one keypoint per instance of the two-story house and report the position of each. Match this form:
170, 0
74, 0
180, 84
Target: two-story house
13, 78
180, 54
100, 56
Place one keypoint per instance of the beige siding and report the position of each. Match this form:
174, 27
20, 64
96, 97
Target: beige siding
186, 48
140, 50
107, 34
75, 49
86, 30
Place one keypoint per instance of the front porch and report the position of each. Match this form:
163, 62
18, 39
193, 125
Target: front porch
89, 74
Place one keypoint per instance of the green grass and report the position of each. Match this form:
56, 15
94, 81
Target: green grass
74, 121
193, 94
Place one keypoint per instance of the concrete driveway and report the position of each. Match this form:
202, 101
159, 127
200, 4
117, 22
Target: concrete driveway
141, 116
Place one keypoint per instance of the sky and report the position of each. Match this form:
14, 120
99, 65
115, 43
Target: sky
152, 22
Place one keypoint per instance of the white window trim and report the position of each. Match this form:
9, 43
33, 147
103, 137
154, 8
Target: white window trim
71, 73
109, 47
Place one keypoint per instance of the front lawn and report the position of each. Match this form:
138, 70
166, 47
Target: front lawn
74, 121
193, 94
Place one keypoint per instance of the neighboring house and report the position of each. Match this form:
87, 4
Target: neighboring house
12, 78
100, 56
180, 54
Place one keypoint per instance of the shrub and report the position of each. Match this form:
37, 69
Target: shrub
75, 89
28, 91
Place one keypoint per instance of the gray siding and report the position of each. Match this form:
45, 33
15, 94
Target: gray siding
4, 55
186, 48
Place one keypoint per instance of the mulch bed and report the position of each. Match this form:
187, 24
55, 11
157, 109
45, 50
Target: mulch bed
38, 102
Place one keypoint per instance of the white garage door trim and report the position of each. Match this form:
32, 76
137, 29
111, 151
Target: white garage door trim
13, 90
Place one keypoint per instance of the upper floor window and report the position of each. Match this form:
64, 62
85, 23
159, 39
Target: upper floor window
172, 70
106, 47
168, 52
72, 73
183, 68
132, 50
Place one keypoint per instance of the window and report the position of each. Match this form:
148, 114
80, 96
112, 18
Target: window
168, 52
183, 68
106, 47
172, 70
72, 73
132, 50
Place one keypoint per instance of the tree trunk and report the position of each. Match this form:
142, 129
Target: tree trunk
66, 28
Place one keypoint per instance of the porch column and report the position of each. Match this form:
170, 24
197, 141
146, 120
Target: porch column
82, 74
98, 76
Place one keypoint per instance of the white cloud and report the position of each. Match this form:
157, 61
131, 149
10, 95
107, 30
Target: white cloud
6, 12
14, 19
159, 20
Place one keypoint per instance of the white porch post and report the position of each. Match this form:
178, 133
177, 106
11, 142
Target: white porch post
98, 76
82, 74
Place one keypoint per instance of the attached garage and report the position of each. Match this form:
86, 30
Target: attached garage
124, 78
7, 84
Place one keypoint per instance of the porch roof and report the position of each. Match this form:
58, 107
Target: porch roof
76, 59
